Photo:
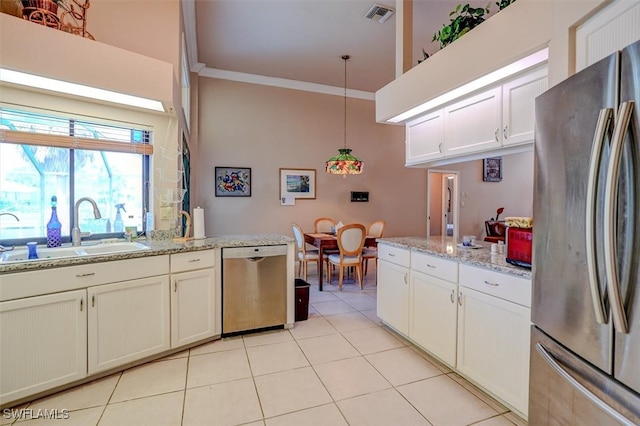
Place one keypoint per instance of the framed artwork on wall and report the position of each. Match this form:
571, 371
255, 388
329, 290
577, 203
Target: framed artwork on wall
298, 183
233, 181
492, 169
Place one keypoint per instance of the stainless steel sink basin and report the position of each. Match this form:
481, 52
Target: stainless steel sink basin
21, 254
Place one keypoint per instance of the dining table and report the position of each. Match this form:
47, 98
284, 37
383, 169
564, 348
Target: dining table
324, 242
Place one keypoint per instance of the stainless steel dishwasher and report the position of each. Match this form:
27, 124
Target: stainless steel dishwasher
254, 287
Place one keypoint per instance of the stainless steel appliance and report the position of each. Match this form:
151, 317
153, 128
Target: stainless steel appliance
585, 351
254, 287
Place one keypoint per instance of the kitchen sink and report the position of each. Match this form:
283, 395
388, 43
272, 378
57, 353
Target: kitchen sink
21, 254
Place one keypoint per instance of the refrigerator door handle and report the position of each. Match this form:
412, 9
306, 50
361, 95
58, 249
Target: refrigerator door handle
597, 147
549, 359
610, 217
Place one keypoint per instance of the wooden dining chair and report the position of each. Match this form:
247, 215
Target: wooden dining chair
303, 256
350, 243
376, 229
324, 225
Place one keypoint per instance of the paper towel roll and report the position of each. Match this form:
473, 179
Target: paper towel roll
198, 223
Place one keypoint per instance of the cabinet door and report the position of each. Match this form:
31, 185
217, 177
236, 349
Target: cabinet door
493, 346
193, 313
518, 110
434, 313
127, 321
425, 138
393, 295
43, 343
474, 124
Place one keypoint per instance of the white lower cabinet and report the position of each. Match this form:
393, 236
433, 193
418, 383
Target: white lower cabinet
43, 343
434, 316
393, 287
127, 321
193, 298
493, 334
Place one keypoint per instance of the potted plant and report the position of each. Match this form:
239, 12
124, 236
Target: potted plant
464, 19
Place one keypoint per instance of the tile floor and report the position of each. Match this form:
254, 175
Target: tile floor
340, 367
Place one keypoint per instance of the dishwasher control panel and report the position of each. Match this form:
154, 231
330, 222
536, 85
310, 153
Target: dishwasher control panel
257, 251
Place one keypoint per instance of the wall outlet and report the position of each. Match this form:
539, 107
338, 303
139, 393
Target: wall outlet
165, 213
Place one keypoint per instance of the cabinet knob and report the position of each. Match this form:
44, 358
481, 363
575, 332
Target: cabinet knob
453, 295
504, 131
495, 134
460, 298
491, 283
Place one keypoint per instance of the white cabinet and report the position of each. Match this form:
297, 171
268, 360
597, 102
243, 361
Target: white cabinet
393, 287
425, 138
194, 300
474, 124
127, 321
494, 320
43, 343
518, 106
433, 325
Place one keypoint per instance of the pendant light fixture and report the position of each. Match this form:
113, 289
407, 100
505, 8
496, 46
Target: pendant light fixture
344, 163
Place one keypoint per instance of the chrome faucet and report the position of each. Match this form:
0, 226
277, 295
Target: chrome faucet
3, 248
76, 235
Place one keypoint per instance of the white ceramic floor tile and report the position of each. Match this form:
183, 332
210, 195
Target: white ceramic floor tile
151, 379
85, 417
444, 402
322, 296
266, 338
217, 367
229, 403
372, 314
93, 394
477, 392
266, 359
371, 340
363, 304
382, 408
158, 410
332, 308
11, 414
312, 327
402, 366
327, 348
290, 391
325, 415
350, 321
226, 344
495, 421
313, 313
182, 354
350, 377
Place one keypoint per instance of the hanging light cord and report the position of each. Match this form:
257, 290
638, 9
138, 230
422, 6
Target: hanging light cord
346, 58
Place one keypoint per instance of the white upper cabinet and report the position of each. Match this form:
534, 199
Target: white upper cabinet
518, 106
425, 138
473, 124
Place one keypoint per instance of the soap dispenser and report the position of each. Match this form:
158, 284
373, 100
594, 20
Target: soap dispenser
118, 224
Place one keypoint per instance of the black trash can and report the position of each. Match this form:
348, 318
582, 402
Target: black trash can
302, 300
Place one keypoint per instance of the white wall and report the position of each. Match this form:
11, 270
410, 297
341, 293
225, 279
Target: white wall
479, 200
267, 128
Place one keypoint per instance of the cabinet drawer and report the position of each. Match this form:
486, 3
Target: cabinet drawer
395, 255
54, 280
192, 260
507, 287
434, 266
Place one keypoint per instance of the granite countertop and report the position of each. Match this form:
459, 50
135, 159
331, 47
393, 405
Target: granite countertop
447, 248
156, 248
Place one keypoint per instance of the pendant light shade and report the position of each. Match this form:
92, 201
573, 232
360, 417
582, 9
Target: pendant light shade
344, 163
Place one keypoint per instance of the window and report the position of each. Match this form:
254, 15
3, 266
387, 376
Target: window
42, 156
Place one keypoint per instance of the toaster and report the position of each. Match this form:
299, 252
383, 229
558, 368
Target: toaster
519, 246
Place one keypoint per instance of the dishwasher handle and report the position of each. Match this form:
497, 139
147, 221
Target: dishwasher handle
256, 259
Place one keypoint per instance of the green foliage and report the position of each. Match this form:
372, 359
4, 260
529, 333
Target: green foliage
504, 3
425, 55
464, 19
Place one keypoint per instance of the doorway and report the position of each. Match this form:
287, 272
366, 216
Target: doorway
442, 204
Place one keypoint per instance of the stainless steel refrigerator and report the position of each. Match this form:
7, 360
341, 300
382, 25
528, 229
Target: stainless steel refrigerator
585, 340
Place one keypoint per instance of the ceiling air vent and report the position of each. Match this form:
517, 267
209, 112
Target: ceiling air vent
379, 13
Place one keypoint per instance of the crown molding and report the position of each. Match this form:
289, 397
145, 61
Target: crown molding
284, 83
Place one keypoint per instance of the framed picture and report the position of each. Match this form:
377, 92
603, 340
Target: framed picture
233, 182
492, 169
298, 183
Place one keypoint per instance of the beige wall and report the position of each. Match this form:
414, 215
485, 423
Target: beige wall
266, 128
479, 200
435, 204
